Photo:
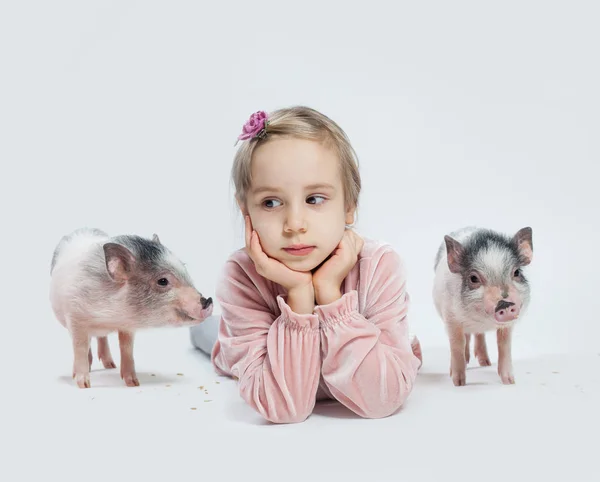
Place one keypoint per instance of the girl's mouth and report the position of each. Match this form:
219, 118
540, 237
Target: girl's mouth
299, 249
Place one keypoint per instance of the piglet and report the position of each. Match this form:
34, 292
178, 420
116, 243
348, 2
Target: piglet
101, 284
480, 286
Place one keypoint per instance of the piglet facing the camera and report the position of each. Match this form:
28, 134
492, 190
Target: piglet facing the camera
480, 286
101, 284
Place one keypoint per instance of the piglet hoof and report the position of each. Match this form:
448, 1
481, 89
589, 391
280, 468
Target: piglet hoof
459, 377
484, 360
507, 378
82, 379
108, 363
130, 379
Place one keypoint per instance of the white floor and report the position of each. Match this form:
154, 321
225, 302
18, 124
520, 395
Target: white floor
185, 422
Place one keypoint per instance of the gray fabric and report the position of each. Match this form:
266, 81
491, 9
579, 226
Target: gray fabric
204, 335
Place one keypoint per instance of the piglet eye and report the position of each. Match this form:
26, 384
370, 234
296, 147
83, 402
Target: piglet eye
163, 282
474, 279
517, 273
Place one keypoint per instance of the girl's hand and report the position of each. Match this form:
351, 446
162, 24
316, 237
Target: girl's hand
328, 278
298, 284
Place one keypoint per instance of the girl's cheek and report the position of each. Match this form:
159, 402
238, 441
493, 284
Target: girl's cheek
261, 226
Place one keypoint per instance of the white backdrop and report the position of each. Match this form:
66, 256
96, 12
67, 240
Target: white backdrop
123, 115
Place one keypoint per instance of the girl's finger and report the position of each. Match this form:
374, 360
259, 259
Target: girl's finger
252, 245
257, 254
247, 231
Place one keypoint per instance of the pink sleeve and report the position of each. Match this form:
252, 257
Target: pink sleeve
275, 357
368, 363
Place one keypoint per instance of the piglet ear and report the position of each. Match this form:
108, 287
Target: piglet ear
119, 261
524, 242
455, 254
155, 238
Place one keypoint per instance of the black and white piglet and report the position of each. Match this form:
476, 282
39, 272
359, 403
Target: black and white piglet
480, 286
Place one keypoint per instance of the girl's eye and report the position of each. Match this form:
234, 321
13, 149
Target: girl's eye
315, 200
271, 203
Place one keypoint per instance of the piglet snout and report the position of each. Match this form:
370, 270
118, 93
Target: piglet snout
205, 302
506, 311
194, 304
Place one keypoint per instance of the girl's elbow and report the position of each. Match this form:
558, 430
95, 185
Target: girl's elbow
288, 417
280, 412
382, 408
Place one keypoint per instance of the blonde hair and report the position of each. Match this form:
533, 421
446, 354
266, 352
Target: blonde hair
302, 123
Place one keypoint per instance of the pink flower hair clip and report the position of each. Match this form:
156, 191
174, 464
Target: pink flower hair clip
255, 127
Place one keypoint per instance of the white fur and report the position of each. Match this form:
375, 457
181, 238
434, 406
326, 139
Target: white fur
493, 259
176, 263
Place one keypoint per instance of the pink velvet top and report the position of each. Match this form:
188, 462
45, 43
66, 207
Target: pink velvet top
355, 350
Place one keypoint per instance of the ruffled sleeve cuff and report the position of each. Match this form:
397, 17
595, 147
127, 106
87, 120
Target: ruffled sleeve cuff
296, 320
339, 310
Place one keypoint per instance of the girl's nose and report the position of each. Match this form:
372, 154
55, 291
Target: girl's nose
295, 222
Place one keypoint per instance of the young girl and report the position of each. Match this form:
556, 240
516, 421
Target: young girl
310, 310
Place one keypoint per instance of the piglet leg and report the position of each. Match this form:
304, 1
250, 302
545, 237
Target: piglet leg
127, 365
458, 365
467, 348
481, 352
81, 351
104, 353
505, 369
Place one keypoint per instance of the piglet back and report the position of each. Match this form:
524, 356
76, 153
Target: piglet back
75, 242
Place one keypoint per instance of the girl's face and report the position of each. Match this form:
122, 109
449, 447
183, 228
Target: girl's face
296, 202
